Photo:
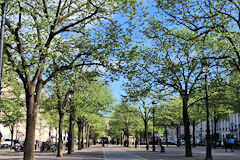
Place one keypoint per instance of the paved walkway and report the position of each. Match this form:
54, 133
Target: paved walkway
178, 153
119, 153
115, 152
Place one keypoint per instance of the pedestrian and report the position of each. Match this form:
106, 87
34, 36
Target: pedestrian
36, 144
102, 142
229, 141
1, 138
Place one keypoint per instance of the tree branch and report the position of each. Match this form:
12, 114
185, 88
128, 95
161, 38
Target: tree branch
45, 9
15, 66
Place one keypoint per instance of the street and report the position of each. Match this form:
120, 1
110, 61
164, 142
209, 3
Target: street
117, 152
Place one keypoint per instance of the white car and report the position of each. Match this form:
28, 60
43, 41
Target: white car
6, 143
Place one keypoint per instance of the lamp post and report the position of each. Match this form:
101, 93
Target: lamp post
4, 8
208, 138
153, 147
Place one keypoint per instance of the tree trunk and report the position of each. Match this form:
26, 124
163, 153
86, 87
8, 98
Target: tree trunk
82, 142
178, 139
85, 126
121, 139
186, 122
71, 129
79, 122
88, 135
146, 135
32, 104
166, 135
50, 133
16, 130
127, 132
12, 131
60, 140
94, 138
193, 133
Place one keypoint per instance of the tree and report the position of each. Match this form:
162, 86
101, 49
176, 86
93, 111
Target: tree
205, 18
122, 115
12, 104
176, 64
172, 115
92, 100
12, 114
123, 122
219, 101
233, 91
139, 95
38, 42
48, 112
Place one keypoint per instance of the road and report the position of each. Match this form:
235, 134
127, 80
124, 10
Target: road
112, 152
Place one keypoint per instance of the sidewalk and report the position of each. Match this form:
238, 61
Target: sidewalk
118, 152
91, 153
114, 152
178, 153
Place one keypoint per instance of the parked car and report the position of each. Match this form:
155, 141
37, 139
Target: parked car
6, 143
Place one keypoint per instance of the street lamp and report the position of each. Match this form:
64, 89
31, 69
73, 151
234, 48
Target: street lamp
208, 138
4, 7
153, 147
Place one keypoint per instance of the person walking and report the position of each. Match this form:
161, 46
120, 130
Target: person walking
102, 142
1, 138
229, 141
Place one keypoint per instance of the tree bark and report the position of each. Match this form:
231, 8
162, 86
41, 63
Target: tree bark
61, 111
178, 139
166, 135
85, 126
186, 122
71, 129
94, 138
12, 131
32, 104
127, 132
79, 122
82, 142
50, 132
146, 134
121, 139
193, 134
60, 140
88, 135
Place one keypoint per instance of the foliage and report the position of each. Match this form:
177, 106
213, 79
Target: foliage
12, 100
124, 119
206, 18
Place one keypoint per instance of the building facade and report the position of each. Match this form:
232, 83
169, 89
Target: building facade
229, 125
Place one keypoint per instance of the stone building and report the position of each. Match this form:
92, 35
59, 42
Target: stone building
229, 125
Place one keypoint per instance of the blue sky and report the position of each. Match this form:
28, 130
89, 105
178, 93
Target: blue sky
116, 85
116, 89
